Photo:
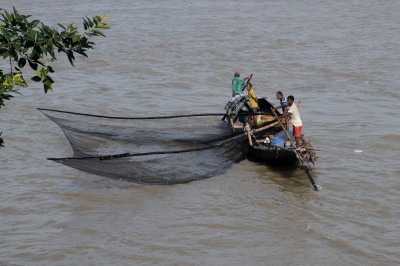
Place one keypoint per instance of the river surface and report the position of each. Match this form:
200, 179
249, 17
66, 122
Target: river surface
340, 58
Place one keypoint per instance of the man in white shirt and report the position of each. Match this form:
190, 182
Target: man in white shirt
294, 114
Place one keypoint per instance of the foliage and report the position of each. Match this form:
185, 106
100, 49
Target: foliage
31, 43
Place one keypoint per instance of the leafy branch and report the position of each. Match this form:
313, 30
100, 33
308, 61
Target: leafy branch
25, 42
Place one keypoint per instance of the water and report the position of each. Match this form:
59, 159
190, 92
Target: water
340, 58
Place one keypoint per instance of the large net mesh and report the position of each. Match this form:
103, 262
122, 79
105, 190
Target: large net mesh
151, 150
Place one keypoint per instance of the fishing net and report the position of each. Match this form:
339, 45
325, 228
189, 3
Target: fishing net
150, 150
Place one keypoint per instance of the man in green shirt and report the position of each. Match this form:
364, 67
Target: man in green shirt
238, 84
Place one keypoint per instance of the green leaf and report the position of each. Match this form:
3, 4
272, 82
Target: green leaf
36, 78
62, 26
21, 62
14, 54
85, 23
33, 65
51, 52
103, 26
71, 57
43, 72
50, 69
48, 80
75, 38
99, 33
19, 80
47, 87
5, 53
33, 24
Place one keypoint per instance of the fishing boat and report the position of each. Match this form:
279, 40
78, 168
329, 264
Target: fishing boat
177, 148
268, 141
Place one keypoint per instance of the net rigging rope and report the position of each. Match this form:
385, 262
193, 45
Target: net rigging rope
149, 117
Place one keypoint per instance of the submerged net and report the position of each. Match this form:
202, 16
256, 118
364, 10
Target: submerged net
151, 150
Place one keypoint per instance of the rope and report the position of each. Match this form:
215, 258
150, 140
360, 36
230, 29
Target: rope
128, 154
150, 117
131, 118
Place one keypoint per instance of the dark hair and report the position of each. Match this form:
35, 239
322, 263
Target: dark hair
290, 97
279, 93
251, 85
237, 74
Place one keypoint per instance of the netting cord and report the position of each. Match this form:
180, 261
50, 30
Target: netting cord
128, 154
150, 117
132, 118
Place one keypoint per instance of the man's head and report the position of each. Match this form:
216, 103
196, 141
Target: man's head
236, 75
249, 86
290, 100
279, 95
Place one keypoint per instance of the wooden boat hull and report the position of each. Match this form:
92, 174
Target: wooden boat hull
273, 155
